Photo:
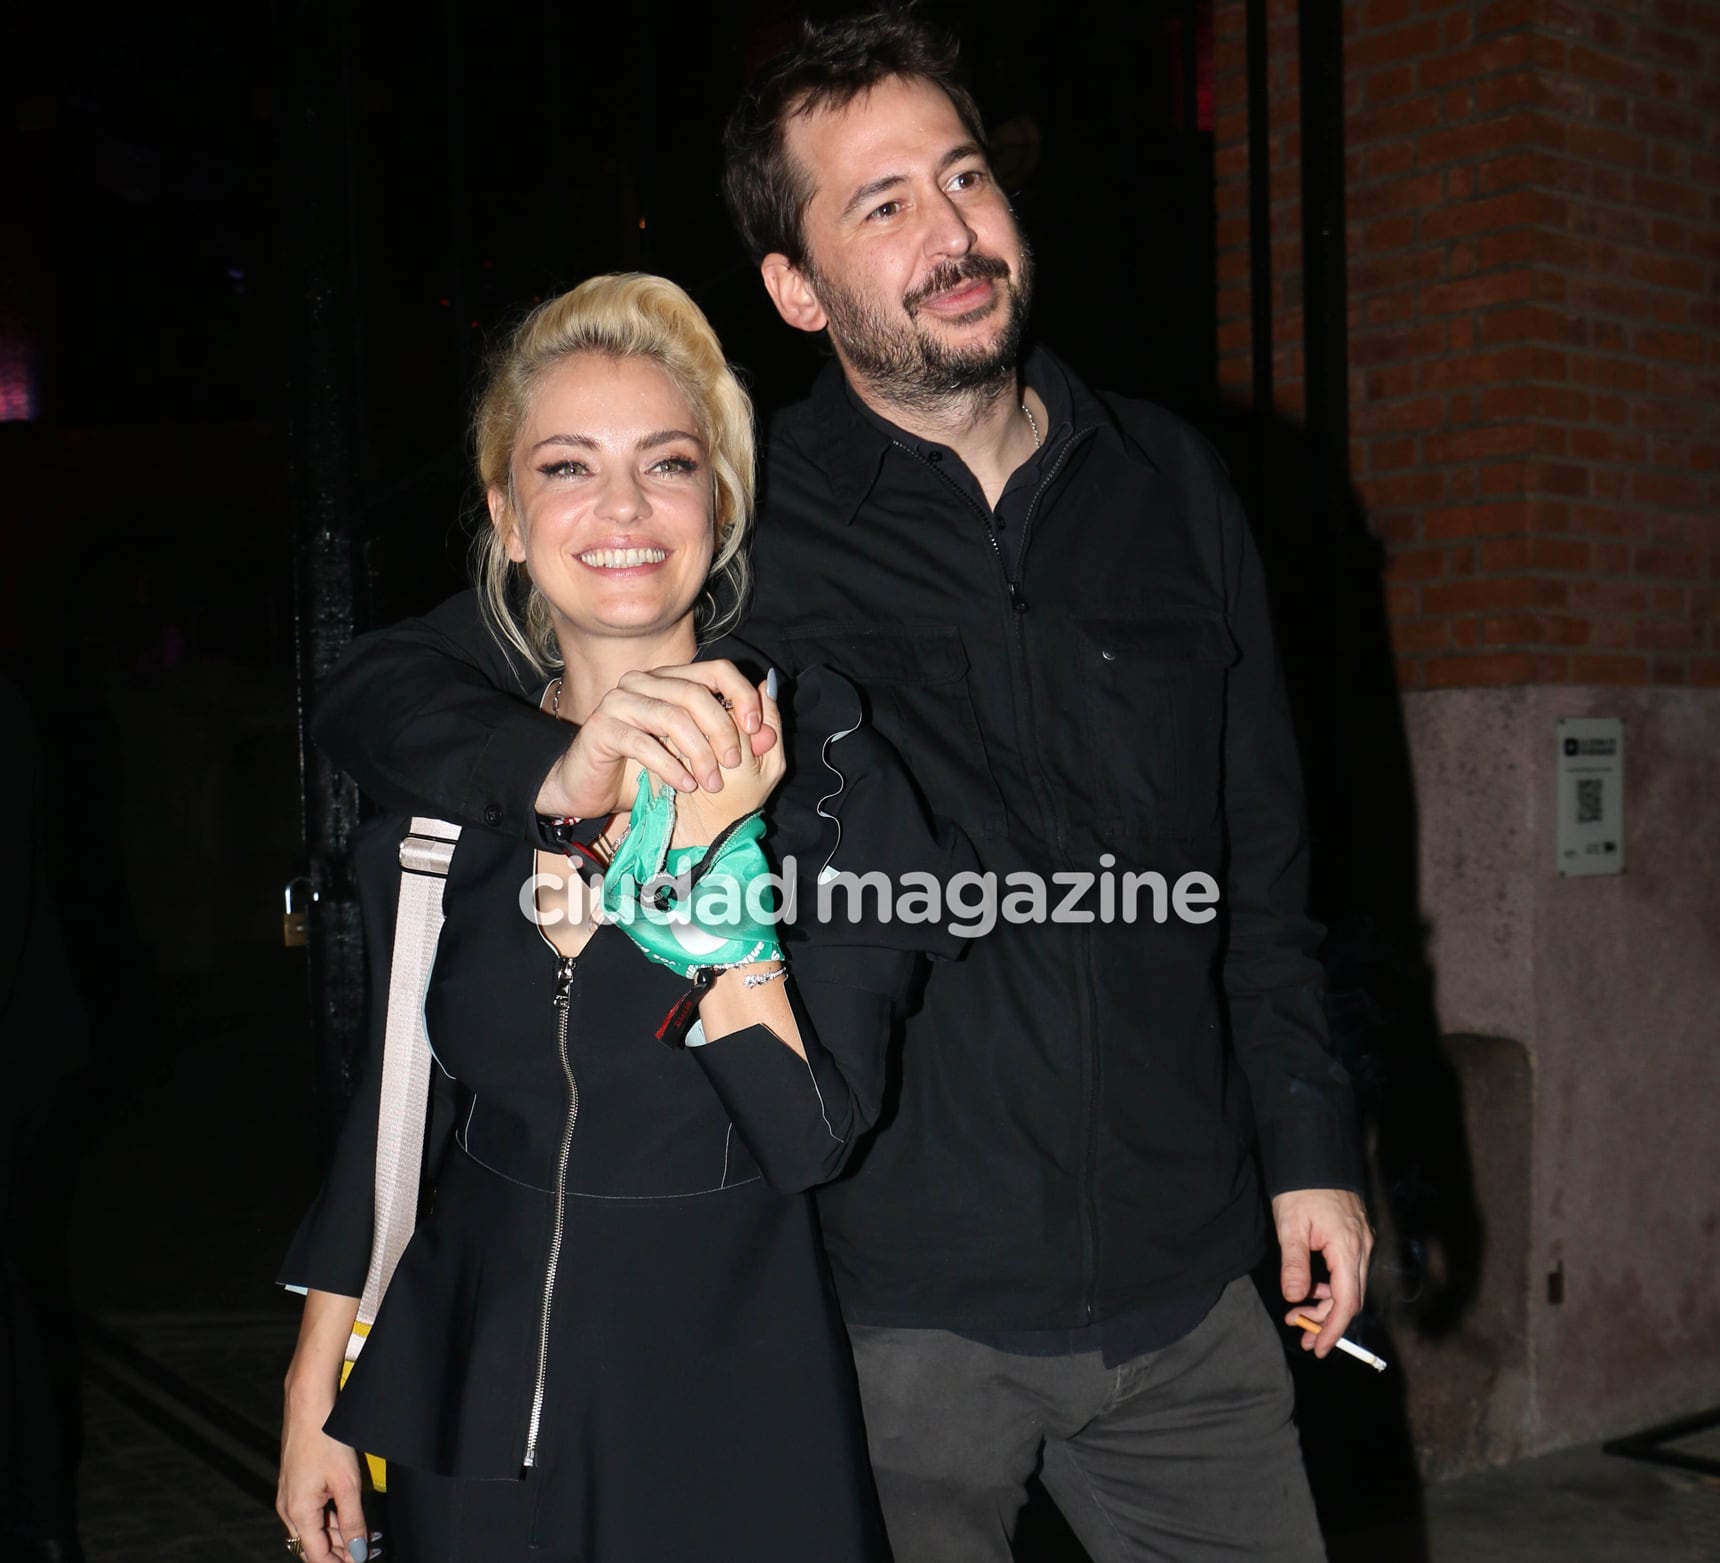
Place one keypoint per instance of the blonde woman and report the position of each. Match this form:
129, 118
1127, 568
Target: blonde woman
613, 1339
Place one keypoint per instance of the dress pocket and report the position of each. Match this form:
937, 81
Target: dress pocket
914, 678
1154, 696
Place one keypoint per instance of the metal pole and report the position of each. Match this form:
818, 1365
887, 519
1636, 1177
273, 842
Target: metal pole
315, 131
1259, 210
1344, 555
1200, 251
459, 233
1325, 303
644, 146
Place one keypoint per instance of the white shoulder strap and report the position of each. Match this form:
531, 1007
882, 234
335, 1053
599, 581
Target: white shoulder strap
425, 854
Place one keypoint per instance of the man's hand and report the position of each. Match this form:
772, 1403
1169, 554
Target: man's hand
672, 721
1334, 1224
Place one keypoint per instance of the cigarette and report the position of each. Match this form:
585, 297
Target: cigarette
1313, 1327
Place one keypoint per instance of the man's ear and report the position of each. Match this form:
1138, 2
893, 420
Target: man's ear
502, 519
791, 292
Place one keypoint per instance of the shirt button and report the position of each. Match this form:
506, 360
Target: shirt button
492, 814
934, 455
1020, 606
999, 523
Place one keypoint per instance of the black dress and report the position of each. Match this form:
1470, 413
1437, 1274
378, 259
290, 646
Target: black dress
618, 1302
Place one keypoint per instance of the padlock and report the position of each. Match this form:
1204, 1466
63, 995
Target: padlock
295, 926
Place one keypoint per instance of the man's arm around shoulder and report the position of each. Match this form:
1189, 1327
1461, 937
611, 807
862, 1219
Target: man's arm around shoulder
432, 716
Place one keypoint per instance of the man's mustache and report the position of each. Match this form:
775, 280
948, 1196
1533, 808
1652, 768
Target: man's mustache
952, 274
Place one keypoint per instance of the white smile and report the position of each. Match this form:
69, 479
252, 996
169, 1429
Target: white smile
622, 558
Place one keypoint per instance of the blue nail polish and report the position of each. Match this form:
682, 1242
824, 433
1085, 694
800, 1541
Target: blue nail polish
770, 683
358, 1549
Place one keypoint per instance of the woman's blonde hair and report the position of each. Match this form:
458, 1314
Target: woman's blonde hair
622, 315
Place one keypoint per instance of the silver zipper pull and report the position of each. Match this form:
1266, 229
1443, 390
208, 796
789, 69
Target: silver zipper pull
563, 979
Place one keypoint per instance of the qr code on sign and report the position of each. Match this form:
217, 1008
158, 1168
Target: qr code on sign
1589, 800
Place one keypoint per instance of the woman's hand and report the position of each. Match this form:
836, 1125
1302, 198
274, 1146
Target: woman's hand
317, 1470
700, 816
673, 722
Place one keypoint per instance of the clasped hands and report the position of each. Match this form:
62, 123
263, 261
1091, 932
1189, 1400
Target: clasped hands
702, 728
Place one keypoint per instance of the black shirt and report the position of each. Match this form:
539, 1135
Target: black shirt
1165, 1321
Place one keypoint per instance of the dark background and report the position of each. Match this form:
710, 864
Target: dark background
491, 155
255, 257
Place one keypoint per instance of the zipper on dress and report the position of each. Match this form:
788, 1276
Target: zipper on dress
563, 1009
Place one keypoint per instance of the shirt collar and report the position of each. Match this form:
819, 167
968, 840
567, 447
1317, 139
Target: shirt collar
854, 439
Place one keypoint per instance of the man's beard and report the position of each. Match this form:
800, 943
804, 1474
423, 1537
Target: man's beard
914, 369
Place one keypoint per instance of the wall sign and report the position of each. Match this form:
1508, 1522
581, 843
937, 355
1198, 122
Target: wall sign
1590, 798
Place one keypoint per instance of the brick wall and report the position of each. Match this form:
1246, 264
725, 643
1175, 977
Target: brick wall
1534, 270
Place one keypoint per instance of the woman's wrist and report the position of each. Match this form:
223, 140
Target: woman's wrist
748, 976
313, 1375
688, 830
720, 887
738, 977
311, 1394
693, 830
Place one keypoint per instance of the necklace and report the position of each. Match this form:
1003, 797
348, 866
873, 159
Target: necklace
1032, 423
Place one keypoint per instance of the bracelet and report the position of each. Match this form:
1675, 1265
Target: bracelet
682, 1027
757, 979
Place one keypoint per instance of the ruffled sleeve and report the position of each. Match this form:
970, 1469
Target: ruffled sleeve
846, 807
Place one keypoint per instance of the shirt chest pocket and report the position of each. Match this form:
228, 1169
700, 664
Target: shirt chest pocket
915, 681
1153, 694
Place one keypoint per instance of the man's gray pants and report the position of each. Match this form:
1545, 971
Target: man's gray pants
1178, 1456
